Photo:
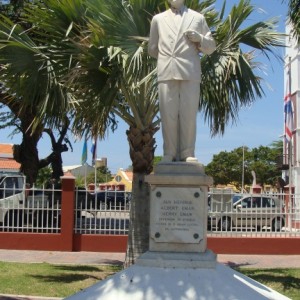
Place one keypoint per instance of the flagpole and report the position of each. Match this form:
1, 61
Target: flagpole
85, 171
243, 169
84, 159
290, 143
288, 123
94, 159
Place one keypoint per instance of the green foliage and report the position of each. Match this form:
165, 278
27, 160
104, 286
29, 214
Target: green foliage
14, 10
44, 176
157, 159
226, 167
294, 16
103, 174
77, 52
230, 75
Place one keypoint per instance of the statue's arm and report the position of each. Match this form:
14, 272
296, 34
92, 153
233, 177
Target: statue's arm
202, 37
153, 39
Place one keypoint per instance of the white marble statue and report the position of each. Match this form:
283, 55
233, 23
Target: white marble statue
177, 36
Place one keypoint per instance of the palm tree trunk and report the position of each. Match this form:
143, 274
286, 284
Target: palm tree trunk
142, 146
138, 236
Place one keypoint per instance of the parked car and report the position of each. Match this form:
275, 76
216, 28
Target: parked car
104, 200
21, 206
12, 198
236, 197
249, 212
113, 199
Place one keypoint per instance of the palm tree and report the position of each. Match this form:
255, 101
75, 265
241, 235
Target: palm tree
133, 97
37, 99
294, 16
95, 51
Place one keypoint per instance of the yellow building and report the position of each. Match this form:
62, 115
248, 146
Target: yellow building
122, 178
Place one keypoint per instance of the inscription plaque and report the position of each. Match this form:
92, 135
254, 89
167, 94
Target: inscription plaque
176, 215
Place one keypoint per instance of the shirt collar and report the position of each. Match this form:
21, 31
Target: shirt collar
178, 10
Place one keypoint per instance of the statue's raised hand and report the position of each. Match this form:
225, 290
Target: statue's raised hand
193, 36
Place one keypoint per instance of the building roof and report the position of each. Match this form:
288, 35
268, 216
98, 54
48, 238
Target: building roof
6, 150
70, 168
9, 164
129, 175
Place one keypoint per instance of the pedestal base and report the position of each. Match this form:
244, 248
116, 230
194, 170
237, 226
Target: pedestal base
206, 259
148, 283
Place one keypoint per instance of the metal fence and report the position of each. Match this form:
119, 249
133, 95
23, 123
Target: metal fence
34, 210
107, 212
253, 215
39, 210
102, 212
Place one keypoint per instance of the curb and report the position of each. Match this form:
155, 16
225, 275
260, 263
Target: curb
23, 297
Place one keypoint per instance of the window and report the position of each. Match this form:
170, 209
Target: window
10, 186
118, 178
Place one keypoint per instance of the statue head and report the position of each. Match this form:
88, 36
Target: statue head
176, 3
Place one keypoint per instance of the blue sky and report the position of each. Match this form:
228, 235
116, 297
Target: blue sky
260, 124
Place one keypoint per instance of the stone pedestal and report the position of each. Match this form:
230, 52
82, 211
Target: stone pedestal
178, 265
178, 217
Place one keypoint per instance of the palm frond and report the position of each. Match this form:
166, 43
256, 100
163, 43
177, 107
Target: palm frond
229, 75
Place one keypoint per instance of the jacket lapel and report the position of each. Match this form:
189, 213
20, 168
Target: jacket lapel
170, 21
187, 19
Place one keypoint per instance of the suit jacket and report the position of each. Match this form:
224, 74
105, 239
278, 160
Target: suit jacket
178, 57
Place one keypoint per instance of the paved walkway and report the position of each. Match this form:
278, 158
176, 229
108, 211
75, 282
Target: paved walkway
87, 258
53, 257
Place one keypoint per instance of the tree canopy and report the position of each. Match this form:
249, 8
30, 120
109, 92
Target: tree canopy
227, 167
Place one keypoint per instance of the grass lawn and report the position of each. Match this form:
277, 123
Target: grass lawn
284, 281
42, 279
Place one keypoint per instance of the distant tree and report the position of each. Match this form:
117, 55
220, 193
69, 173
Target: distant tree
103, 174
264, 163
157, 159
43, 178
227, 167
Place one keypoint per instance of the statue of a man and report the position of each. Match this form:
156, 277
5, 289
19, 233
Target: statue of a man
177, 36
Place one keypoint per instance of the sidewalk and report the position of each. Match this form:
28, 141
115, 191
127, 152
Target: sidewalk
86, 258
92, 258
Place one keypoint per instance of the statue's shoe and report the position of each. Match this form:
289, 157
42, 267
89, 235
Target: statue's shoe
191, 159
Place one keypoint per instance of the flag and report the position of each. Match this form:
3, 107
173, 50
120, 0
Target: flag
94, 151
288, 111
84, 153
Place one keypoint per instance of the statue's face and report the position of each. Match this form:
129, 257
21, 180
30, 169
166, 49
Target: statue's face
176, 3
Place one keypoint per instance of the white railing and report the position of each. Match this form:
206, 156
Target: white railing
249, 215
39, 210
107, 212
102, 212
34, 210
